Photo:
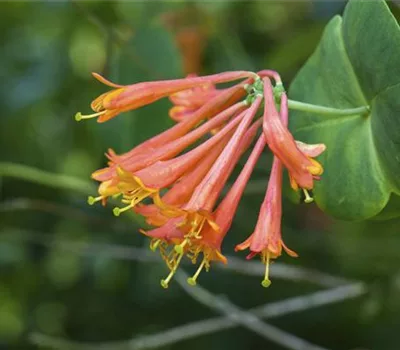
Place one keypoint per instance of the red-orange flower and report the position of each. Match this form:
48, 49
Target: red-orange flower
148, 173
189, 101
211, 231
266, 239
176, 179
130, 97
185, 230
211, 238
302, 169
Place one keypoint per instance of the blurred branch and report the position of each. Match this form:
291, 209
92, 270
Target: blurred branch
65, 211
244, 318
249, 268
85, 248
59, 181
42, 177
58, 209
212, 325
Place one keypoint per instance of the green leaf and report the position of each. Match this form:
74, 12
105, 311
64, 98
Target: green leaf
356, 63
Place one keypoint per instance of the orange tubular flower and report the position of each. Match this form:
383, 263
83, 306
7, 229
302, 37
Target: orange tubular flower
185, 230
180, 193
211, 239
198, 210
183, 189
266, 239
140, 160
137, 182
302, 168
209, 110
130, 97
189, 101
176, 178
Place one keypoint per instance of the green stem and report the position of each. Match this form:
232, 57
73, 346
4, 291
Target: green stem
307, 107
59, 181
42, 177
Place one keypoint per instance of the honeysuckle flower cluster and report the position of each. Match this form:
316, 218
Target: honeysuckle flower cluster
175, 179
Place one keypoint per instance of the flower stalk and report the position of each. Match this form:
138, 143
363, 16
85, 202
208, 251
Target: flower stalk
311, 108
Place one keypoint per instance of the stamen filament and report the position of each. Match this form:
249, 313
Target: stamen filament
79, 116
164, 282
91, 200
154, 244
266, 282
192, 280
117, 211
308, 198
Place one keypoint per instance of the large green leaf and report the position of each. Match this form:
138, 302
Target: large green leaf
356, 63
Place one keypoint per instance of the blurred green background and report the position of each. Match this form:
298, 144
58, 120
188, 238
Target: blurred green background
66, 270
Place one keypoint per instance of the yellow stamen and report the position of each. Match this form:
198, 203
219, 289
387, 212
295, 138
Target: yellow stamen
195, 221
308, 198
192, 280
154, 243
179, 248
79, 116
164, 282
91, 200
133, 189
117, 211
266, 282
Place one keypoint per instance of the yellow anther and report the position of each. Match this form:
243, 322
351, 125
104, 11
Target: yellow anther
197, 226
179, 248
117, 211
193, 280
165, 282
308, 198
79, 116
266, 282
91, 200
